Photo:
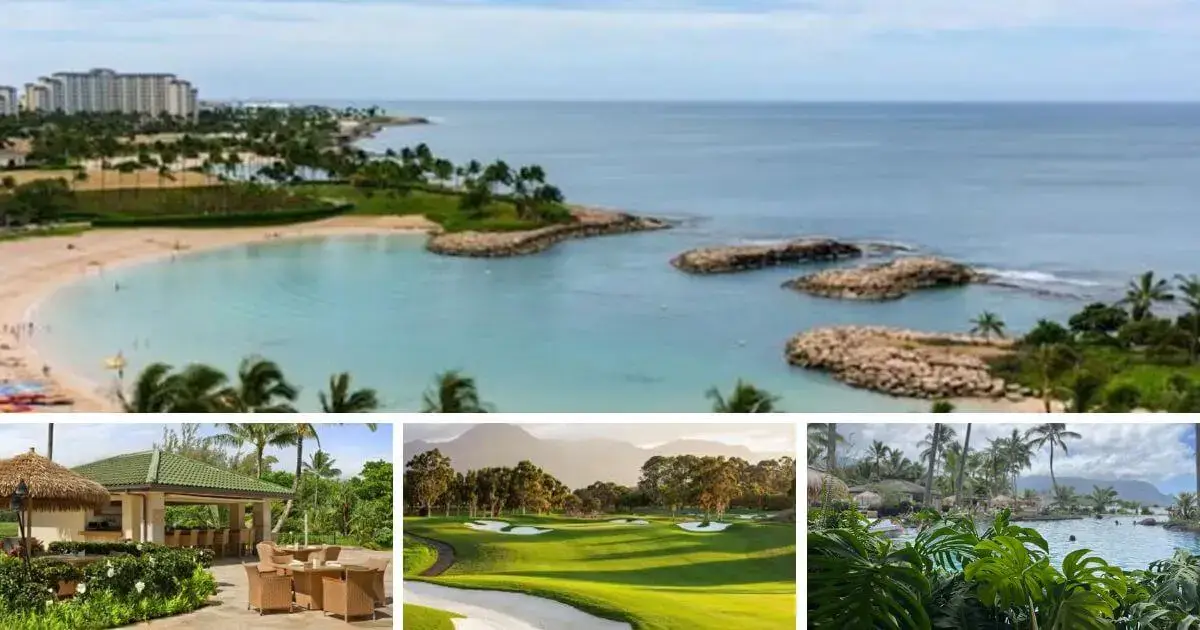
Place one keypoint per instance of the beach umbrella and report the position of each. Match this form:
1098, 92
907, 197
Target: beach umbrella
820, 483
868, 500
52, 487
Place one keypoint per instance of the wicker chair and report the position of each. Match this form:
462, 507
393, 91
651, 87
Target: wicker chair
332, 552
265, 550
268, 589
350, 597
281, 563
379, 567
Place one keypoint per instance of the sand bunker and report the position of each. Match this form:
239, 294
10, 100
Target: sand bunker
749, 517
497, 610
696, 526
499, 528
625, 521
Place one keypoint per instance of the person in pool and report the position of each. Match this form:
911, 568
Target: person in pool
1072, 538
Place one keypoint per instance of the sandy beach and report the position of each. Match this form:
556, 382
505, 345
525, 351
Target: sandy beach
36, 267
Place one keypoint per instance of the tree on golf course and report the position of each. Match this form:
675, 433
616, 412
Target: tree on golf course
428, 476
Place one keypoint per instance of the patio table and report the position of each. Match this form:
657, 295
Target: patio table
299, 553
307, 582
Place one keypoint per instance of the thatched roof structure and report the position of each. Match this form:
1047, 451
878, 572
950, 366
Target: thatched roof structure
868, 499
52, 488
1002, 500
820, 482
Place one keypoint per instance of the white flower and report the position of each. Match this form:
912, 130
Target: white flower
151, 560
81, 589
49, 590
49, 602
111, 572
140, 586
139, 546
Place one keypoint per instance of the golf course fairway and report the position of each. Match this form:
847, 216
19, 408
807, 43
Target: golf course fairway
654, 577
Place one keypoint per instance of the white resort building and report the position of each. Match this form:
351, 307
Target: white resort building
8, 100
104, 90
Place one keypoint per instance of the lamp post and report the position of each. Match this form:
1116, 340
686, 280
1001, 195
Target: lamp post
19, 497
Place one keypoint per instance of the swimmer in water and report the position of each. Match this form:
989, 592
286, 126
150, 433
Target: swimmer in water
1072, 538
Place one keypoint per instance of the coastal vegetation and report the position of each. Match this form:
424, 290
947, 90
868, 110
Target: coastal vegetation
1116, 357
647, 572
240, 164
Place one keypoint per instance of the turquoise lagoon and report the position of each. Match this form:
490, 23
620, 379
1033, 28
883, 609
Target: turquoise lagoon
1072, 200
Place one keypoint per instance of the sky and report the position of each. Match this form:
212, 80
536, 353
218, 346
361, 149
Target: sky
75, 444
743, 50
760, 438
1162, 454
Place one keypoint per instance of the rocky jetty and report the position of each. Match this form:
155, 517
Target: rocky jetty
904, 362
588, 223
886, 281
708, 260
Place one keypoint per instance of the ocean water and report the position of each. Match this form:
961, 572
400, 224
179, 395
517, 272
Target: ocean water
1067, 199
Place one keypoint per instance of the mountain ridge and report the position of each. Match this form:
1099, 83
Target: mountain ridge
576, 463
1144, 492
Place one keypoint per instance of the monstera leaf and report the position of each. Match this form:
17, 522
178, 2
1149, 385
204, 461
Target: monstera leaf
853, 584
1009, 575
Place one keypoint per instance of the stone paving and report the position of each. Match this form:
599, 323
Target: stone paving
228, 609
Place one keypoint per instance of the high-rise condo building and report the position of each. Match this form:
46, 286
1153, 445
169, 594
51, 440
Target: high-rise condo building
104, 90
8, 100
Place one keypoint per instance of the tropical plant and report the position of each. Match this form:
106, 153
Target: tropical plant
453, 392
341, 399
258, 436
987, 324
746, 398
1189, 291
1054, 435
260, 388
1143, 293
1102, 497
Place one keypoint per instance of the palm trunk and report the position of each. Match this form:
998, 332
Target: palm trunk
50, 443
932, 461
831, 459
1053, 481
1196, 428
962, 464
287, 507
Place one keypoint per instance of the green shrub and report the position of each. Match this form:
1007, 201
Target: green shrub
222, 220
203, 557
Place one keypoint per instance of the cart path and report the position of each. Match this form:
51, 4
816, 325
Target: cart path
445, 555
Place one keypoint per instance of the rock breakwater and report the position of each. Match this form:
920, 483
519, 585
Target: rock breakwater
904, 362
886, 281
588, 223
712, 260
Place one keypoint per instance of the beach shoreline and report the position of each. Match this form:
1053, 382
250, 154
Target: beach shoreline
41, 266
35, 268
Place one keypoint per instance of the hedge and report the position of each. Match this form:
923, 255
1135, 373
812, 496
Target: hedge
202, 556
245, 219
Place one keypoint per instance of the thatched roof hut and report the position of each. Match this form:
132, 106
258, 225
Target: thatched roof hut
1002, 499
52, 488
868, 500
819, 483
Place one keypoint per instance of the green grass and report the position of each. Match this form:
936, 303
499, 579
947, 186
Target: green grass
8, 530
656, 577
64, 230
417, 556
441, 207
422, 618
1125, 367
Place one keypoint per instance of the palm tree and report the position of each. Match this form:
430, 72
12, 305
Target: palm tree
295, 434
831, 440
962, 462
987, 324
452, 392
820, 435
153, 392
1189, 289
1084, 390
258, 436
321, 464
1101, 497
1051, 361
198, 388
1143, 292
50, 442
261, 388
341, 400
745, 398
936, 440
1054, 434
1065, 497
877, 454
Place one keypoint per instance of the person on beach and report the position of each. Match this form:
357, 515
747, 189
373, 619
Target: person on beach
46, 371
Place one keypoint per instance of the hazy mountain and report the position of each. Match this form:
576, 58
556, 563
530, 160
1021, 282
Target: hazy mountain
576, 463
1127, 489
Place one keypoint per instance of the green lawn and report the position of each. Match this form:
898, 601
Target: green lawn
417, 556
422, 618
8, 530
63, 230
439, 207
656, 577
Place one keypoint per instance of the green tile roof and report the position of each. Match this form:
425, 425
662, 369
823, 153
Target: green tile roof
156, 469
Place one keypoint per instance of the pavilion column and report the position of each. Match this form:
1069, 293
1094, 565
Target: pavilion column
131, 517
262, 521
237, 517
156, 505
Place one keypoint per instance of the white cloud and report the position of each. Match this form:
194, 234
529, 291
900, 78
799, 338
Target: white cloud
1158, 453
